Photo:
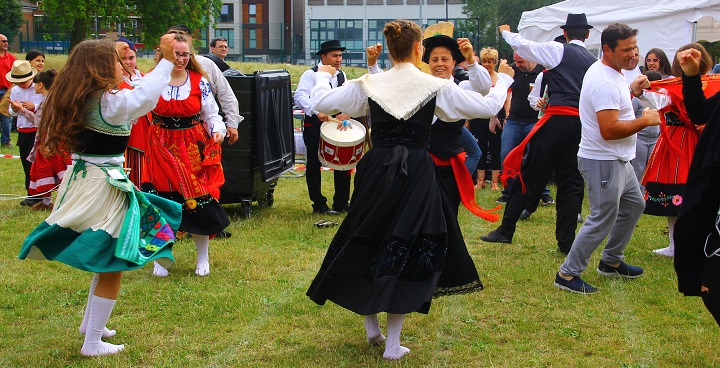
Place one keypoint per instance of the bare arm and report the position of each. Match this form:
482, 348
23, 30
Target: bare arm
611, 128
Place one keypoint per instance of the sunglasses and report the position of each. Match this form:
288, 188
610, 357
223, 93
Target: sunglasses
651, 60
4, 41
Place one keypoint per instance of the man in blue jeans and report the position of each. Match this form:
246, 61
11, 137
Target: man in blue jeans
6, 61
520, 122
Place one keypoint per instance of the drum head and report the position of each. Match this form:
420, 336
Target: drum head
343, 138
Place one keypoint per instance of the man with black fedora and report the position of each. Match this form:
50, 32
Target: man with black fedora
554, 141
330, 54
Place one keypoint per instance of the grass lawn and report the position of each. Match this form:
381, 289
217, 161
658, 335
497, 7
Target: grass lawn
252, 311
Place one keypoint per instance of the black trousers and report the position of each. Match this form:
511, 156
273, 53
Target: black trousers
311, 137
554, 147
25, 143
711, 279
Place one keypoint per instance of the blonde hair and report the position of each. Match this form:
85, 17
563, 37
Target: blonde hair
488, 53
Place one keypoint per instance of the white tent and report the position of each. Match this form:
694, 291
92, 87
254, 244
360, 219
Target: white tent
664, 24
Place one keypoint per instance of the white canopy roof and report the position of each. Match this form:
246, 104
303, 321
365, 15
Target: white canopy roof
665, 24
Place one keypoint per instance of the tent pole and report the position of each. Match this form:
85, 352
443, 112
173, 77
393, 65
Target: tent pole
694, 32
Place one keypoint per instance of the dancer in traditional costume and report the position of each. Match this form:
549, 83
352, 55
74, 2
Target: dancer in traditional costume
135, 153
392, 252
46, 172
183, 153
667, 167
697, 257
101, 223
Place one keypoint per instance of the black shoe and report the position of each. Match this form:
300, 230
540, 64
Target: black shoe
575, 285
29, 202
328, 212
546, 199
7, 145
223, 234
563, 251
525, 215
501, 200
496, 237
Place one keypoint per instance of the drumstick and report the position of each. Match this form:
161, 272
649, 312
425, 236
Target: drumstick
345, 123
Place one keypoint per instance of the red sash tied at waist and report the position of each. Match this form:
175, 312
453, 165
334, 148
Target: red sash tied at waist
513, 161
465, 186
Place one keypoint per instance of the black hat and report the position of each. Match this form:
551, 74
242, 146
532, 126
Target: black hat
576, 21
441, 40
328, 46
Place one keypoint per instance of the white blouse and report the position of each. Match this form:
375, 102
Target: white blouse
209, 108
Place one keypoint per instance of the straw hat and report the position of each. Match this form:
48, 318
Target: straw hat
21, 71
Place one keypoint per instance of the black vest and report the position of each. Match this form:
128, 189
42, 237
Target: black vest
567, 77
313, 120
446, 138
520, 109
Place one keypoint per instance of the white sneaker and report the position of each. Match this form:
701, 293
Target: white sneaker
665, 252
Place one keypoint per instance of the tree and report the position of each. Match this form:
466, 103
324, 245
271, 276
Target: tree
11, 18
485, 16
77, 16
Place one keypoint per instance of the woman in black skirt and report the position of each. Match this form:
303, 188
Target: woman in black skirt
392, 252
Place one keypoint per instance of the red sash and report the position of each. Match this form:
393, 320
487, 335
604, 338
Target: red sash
513, 161
465, 187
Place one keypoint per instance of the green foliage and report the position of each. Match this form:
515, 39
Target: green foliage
11, 18
485, 16
76, 16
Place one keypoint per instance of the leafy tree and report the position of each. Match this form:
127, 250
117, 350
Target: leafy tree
77, 16
485, 16
11, 18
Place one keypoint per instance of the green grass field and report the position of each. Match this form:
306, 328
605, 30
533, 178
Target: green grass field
251, 311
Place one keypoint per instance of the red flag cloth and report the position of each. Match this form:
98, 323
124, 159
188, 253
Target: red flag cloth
466, 188
513, 161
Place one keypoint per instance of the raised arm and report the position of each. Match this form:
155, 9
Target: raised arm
697, 105
547, 53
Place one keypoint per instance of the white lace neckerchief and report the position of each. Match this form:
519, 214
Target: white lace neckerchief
402, 90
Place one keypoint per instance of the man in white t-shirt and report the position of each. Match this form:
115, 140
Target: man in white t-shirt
606, 147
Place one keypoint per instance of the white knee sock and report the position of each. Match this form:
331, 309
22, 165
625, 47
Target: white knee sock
100, 310
668, 251
393, 349
671, 231
159, 271
372, 329
202, 243
83, 326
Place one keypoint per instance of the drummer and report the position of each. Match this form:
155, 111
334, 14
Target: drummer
330, 54
442, 53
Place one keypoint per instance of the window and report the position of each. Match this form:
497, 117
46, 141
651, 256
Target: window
252, 39
252, 13
227, 33
348, 31
227, 13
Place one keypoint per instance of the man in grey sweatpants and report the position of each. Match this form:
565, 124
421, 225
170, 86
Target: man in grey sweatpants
607, 145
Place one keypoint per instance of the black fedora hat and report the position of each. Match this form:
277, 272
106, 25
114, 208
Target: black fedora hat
441, 40
328, 46
576, 21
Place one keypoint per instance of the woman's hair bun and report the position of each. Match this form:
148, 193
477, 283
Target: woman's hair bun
393, 30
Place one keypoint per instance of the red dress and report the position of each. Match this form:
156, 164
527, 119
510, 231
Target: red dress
183, 163
668, 165
46, 173
135, 152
